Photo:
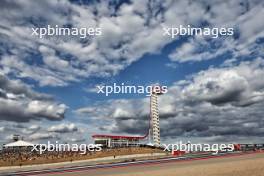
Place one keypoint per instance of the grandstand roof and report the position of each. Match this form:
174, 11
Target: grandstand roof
19, 143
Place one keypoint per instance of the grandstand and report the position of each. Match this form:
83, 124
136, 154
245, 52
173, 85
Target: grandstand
112, 141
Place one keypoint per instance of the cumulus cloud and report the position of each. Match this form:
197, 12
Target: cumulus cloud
129, 31
241, 85
41, 136
9, 128
21, 104
63, 128
74, 140
17, 87
123, 26
218, 103
240, 15
31, 129
99, 56
40, 131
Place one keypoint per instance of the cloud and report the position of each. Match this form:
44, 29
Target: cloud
42, 136
218, 86
131, 30
200, 49
64, 60
20, 103
63, 128
218, 103
74, 140
67, 60
31, 129
17, 87
9, 128
43, 76
241, 16
42, 131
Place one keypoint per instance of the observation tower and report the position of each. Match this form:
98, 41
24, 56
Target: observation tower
153, 132
154, 129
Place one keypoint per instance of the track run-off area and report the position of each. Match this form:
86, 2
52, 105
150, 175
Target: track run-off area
204, 163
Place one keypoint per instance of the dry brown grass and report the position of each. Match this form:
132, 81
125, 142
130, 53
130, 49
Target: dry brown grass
43, 159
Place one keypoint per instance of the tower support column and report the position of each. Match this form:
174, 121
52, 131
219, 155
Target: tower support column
155, 127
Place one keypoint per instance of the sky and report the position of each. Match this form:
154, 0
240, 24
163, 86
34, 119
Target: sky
215, 85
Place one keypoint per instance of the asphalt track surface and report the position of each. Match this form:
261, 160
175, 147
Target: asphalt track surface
122, 167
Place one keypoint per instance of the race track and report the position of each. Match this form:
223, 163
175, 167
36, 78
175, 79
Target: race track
216, 165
